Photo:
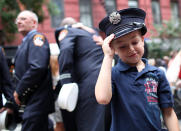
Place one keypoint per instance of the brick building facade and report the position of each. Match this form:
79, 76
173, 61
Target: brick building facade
72, 8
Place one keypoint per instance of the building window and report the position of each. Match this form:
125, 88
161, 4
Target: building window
133, 3
86, 12
156, 12
110, 6
56, 19
174, 11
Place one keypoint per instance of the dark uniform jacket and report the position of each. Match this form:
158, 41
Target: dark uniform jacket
34, 83
6, 86
80, 60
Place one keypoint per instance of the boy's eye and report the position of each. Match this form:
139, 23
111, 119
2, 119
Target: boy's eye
122, 47
134, 43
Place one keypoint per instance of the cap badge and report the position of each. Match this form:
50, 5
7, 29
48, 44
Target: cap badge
115, 18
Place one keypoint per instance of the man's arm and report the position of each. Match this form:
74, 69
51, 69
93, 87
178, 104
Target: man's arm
170, 119
103, 89
66, 59
38, 61
82, 26
6, 81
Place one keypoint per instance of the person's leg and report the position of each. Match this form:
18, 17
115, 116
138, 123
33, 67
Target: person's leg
37, 123
50, 125
57, 119
108, 117
90, 115
59, 126
69, 120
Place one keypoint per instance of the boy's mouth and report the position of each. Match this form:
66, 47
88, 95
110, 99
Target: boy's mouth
132, 55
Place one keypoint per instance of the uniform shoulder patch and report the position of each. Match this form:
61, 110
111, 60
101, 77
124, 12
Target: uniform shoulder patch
62, 34
38, 40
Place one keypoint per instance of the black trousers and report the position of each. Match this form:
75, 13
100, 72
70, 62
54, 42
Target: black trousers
88, 116
37, 123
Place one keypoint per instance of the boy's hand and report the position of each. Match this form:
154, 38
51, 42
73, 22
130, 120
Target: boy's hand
107, 49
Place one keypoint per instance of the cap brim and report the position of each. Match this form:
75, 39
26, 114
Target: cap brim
129, 30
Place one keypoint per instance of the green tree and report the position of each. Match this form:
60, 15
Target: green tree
10, 8
169, 35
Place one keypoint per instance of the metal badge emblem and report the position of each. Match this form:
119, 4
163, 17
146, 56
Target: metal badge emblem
115, 18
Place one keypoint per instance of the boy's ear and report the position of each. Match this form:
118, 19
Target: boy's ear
143, 38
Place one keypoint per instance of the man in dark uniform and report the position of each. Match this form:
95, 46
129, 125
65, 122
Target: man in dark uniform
34, 83
80, 61
6, 86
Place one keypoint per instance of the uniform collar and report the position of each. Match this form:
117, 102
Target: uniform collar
29, 33
121, 66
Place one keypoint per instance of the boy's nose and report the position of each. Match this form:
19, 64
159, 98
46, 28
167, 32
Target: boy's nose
131, 48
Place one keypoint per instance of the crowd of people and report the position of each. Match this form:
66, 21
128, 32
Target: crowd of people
171, 65
132, 93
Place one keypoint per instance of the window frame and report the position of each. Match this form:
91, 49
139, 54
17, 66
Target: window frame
56, 20
157, 15
85, 15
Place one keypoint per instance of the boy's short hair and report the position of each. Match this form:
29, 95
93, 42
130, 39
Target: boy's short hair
123, 22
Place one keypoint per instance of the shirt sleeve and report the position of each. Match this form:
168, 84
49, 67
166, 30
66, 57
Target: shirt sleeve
164, 91
66, 59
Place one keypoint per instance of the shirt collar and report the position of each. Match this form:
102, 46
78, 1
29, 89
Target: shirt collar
29, 33
121, 66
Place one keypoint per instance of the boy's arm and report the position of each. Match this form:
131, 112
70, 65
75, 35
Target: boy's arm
103, 89
170, 119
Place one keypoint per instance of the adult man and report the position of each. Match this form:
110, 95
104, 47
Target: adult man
34, 83
80, 60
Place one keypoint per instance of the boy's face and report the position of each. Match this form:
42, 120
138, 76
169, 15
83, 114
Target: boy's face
130, 47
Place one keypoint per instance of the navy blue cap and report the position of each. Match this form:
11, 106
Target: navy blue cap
123, 22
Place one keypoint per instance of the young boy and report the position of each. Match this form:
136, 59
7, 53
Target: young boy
137, 91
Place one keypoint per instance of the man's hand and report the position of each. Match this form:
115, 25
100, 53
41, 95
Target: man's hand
98, 40
16, 98
82, 26
10, 111
2, 109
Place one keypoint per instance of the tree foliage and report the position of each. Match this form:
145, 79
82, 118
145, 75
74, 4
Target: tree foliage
168, 38
9, 10
169, 29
